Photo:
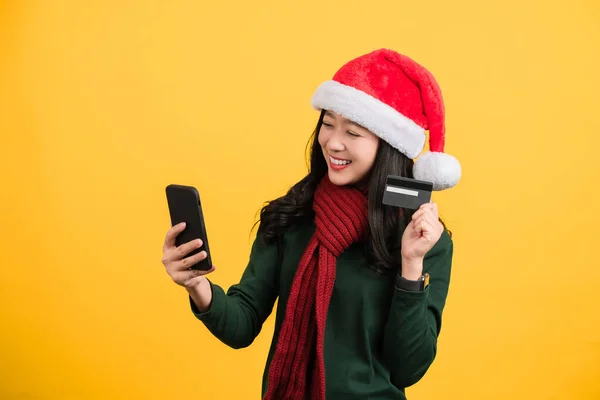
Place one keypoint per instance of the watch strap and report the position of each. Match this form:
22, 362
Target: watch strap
412, 286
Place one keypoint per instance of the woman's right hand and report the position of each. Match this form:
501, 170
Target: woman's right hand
178, 265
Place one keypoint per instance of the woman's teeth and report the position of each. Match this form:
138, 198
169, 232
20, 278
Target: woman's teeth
339, 162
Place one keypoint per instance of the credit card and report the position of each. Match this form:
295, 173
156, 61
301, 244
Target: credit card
406, 192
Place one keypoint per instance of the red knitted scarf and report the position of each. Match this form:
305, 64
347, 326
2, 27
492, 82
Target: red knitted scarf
297, 368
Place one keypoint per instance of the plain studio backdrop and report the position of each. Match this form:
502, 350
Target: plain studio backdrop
104, 103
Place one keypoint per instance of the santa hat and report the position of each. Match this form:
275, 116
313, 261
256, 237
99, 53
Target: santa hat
398, 100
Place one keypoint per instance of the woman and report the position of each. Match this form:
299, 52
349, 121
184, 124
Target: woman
361, 285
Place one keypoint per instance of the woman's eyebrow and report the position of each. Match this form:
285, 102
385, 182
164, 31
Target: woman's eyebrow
346, 120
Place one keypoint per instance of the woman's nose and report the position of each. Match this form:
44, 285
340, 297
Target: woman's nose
335, 143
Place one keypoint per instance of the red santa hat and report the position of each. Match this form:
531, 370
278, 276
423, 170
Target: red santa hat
398, 100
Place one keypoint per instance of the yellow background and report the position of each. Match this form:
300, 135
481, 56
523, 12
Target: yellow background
104, 103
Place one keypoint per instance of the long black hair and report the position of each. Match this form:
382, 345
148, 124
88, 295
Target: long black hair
386, 225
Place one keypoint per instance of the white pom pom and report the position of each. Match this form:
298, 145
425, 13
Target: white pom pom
442, 169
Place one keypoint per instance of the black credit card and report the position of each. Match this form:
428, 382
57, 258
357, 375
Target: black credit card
406, 192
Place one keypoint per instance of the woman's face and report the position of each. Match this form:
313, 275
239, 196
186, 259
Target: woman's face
348, 148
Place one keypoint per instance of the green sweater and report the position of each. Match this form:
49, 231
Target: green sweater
378, 339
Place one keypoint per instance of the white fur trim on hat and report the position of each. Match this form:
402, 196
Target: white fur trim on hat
399, 131
442, 169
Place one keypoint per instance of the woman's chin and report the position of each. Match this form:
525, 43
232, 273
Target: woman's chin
340, 179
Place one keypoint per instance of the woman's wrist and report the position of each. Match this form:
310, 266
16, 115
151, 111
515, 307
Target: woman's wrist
201, 294
412, 269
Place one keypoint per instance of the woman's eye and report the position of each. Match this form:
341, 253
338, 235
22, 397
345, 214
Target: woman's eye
353, 134
327, 124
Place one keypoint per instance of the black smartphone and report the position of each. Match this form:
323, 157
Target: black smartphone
184, 206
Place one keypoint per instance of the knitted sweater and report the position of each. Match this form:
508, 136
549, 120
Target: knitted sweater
379, 339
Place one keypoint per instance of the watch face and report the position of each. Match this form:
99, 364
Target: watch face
423, 281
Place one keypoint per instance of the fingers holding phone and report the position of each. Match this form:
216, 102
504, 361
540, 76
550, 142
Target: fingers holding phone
177, 260
172, 234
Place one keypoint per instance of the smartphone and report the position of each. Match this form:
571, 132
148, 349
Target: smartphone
184, 206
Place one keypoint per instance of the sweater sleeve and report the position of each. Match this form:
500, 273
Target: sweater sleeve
415, 319
236, 317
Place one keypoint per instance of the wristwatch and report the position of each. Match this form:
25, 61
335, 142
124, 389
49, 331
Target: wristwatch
413, 286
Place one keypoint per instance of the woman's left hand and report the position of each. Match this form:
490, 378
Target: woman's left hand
421, 234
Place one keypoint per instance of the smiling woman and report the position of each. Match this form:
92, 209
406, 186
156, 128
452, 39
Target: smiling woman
361, 285
348, 148
104, 103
